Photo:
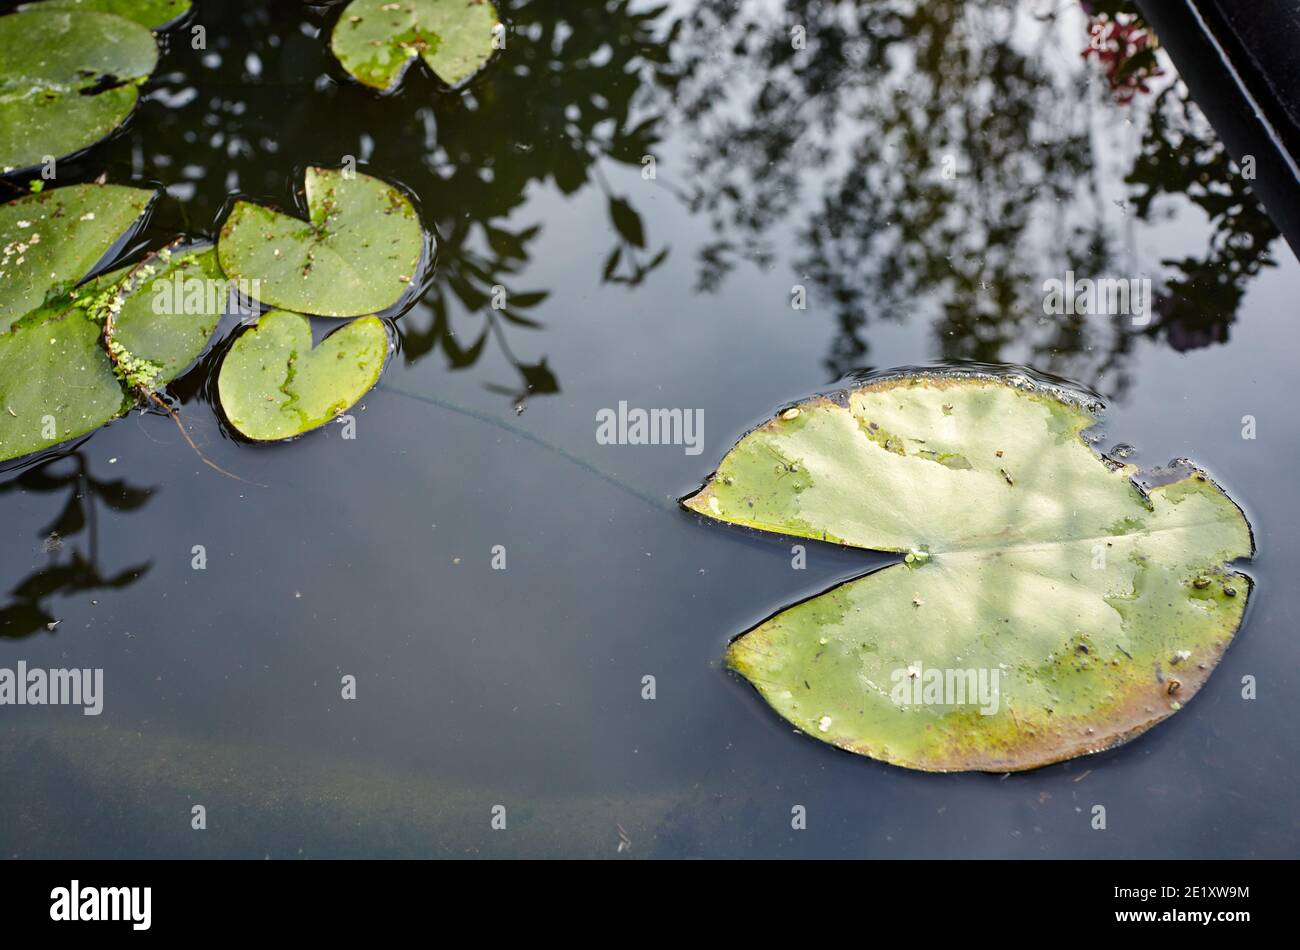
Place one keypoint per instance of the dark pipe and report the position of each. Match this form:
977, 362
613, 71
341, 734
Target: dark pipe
1240, 63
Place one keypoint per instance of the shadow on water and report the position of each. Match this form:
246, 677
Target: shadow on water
67, 552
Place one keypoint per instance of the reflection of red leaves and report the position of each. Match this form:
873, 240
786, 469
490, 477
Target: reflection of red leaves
1126, 50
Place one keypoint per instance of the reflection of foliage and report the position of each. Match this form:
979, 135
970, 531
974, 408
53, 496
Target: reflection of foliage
929, 161
953, 145
68, 569
1120, 40
1180, 156
954, 152
563, 100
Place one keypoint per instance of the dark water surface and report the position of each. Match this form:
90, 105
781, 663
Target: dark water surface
372, 557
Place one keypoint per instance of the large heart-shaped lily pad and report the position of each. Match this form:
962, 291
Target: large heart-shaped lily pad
59, 375
376, 40
1048, 606
67, 79
357, 255
150, 13
273, 385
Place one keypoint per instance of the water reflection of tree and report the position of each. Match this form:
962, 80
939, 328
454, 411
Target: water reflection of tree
840, 145
885, 98
69, 553
1181, 157
266, 97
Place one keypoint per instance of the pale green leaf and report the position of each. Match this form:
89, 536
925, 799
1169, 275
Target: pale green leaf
1102, 607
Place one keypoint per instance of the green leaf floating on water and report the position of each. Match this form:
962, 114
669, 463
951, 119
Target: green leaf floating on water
50, 241
273, 385
150, 13
67, 79
165, 310
376, 40
1102, 607
57, 377
357, 254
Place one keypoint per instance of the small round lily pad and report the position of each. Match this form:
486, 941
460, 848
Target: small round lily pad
273, 385
376, 40
68, 78
358, 253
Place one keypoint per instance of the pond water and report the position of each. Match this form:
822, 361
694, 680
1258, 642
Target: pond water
651, 186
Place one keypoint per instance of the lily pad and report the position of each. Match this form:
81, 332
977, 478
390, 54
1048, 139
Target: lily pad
273, 385
56, 381
357, 255
150, 13
50, 241
376, 40
1102, 606
67, 79
165, 311
59, 378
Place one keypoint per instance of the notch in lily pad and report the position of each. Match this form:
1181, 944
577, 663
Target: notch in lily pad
377, 40
1095, 607
273, 385
357, 253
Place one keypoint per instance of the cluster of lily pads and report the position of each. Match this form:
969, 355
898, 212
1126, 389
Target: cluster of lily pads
71, 70
1102, 604
74, 355
77, 353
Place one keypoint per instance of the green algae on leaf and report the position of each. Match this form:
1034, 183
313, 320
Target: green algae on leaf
164, 312
376, 40
67, 79
1080, 608
56, 380
357, 254
273, 385
51, 240
62, 374
150, 13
